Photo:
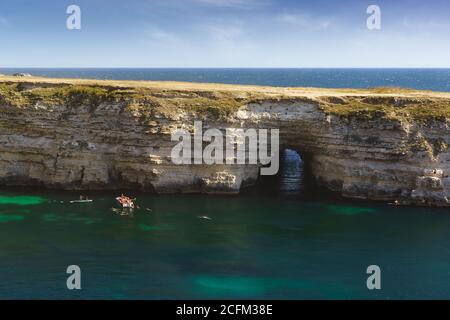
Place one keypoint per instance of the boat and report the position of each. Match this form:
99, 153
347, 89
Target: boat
81, 201
125, 202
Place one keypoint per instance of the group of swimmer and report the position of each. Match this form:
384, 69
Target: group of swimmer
125, 202
128, 205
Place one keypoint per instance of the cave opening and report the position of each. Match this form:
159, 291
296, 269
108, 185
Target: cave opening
293, 179
290, 178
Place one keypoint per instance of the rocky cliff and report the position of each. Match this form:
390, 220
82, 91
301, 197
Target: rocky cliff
380, 144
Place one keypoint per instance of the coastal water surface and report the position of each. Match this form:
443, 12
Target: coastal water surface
283, 239
423, 79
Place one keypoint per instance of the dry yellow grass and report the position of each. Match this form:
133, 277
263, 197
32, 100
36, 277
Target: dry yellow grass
191, 86
223, 99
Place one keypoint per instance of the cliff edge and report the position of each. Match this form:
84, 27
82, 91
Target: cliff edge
380, 144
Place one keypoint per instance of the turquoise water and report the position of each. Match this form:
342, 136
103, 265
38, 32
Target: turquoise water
285, 244
427, 79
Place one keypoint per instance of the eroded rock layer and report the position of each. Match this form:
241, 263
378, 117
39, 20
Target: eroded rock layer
382, 144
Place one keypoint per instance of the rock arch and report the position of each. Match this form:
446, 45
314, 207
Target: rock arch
366, 145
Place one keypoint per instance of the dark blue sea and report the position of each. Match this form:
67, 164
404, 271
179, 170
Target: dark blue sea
424, 79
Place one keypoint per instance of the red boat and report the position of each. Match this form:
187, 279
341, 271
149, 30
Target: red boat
125, 201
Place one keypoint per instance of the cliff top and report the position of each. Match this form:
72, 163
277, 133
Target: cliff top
306, 92
222, 99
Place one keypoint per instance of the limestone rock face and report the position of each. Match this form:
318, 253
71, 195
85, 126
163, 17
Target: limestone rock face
103, 144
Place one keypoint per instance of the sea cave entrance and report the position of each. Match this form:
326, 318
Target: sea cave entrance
293, 179
290, 178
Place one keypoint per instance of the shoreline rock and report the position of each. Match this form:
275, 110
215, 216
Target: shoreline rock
22, 75
360, 144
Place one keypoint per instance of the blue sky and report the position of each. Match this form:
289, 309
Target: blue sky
224, 33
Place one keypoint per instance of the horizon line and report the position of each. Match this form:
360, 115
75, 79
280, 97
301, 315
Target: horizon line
287, 68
